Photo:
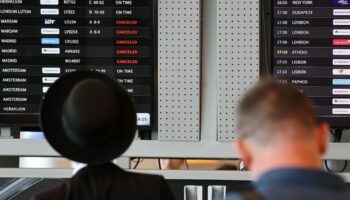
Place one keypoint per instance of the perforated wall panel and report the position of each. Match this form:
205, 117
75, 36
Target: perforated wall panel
238, 58
179, 69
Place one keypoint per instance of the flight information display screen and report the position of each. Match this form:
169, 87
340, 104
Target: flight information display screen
40, 40
311, 49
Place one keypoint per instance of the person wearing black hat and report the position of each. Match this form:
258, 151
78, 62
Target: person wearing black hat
88, 118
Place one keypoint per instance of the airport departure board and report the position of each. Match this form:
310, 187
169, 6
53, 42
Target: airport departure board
311, 49
40, 40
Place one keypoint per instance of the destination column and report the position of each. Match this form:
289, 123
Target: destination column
19, 79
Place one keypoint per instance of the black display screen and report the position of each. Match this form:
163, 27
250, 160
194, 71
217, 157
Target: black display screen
43, 39
307, 43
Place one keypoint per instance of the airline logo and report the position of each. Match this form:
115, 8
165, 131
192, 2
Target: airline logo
143, 119
49, 2
49, 21
341, 2
341, 111
341, 91
341, 22
341, 101
341, 12
54, 41
49, 79
341, 72
49, 11
341, 52
341, 42
51, 70
50, 31
50, 51
341, 61
45, 89
341, 32
341, 81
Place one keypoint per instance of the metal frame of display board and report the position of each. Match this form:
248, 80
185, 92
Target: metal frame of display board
212, 142
155, 149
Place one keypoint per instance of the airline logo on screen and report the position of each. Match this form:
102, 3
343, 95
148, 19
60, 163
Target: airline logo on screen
49, 2
341, 42
341, 2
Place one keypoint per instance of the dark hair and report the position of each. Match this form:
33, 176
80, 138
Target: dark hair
270, 103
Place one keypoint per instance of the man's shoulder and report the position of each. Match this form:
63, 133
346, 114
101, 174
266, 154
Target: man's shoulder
150, 186
144, 177
234, 196
248, 195
114, 174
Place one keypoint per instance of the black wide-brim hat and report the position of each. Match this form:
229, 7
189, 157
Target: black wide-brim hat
119, 138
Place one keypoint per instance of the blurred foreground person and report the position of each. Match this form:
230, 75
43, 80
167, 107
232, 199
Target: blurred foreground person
88, 118
282, 144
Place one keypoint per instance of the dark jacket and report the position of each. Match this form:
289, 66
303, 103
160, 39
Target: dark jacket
109, 182
299, 184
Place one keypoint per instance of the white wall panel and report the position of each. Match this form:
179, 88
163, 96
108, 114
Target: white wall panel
238, 58
179, 70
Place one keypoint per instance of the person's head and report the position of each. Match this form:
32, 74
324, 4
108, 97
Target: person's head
88, 117
277, 124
